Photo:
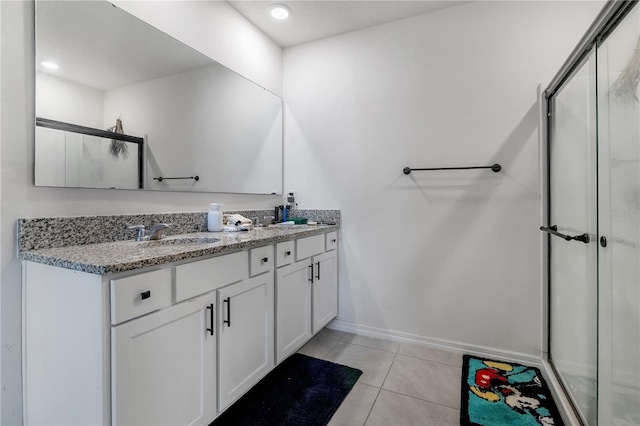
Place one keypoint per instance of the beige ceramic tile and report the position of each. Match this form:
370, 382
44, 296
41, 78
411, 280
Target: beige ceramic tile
427, 380
371, 342
356, 407
331, 334
318, 347
431, 354
392, 409
374, 363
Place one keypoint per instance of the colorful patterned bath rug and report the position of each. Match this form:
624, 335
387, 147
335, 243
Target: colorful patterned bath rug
496, 393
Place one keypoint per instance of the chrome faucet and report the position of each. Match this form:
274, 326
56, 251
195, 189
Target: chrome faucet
155, 233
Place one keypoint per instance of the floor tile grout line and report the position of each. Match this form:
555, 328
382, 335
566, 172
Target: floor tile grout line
424, 400
327, 337
328, 352
397, 351
367, 337
380, 389
411, 396
369, 347
432, 360
372, 405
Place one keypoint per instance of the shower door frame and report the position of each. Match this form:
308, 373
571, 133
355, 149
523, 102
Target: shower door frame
607, 20
548, 269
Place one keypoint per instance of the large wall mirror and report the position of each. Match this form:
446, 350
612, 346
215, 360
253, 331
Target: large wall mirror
120, 104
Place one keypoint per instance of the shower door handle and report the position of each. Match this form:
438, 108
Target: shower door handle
553, 230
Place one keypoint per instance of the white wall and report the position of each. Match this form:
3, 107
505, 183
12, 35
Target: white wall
440, 256
220, 32
21, 199
207, 122
67, 101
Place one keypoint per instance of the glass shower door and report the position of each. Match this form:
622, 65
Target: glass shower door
573, 274
619, 212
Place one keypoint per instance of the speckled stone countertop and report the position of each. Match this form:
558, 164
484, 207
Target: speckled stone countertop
52, 232
120, 256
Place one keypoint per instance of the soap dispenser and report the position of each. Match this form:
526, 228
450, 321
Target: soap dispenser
214, 218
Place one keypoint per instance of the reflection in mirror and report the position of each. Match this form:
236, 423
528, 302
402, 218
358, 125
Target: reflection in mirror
197, 117
76, 156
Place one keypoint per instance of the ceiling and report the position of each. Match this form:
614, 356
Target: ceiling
313, 20
101, 46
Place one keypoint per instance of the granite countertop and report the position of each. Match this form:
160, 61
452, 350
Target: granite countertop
120, 256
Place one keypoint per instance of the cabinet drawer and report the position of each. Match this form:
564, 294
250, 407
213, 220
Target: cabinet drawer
139, 294
193, 279
309, 246
285, 253
331, 240
261, 260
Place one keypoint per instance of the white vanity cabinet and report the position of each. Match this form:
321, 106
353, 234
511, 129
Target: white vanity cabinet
245, 324
176, 343
293, 308
306, 293
163, 366
325, 289
244, 315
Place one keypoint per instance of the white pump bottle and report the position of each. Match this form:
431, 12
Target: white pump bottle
214, 218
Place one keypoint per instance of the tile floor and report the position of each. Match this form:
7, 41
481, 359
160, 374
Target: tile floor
401, 384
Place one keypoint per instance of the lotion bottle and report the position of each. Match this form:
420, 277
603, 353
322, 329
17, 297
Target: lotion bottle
214, 218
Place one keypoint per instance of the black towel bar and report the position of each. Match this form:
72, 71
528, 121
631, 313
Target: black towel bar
495, 168
160, 179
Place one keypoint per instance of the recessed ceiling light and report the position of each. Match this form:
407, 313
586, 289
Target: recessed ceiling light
50, 65
280, 11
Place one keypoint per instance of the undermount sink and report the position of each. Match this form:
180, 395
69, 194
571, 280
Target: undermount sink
180, 240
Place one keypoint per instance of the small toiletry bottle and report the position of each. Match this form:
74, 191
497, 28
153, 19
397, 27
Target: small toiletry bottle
286, 209
214, 218
279, 214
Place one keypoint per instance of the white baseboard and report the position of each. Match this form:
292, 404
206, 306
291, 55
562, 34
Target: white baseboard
482, 351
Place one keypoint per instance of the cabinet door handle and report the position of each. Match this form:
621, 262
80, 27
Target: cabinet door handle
287, 253
318, 276
145, 294
210, 330
228, 320
311, 279
265, 259
334, 240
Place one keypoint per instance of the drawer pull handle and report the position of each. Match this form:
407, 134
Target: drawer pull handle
318, 276
210, 330
228, 320
265, 259
145, 294
287, 253
311, 279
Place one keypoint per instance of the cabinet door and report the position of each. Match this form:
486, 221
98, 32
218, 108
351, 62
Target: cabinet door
163, 366
245, 336
325, 289
293, 308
